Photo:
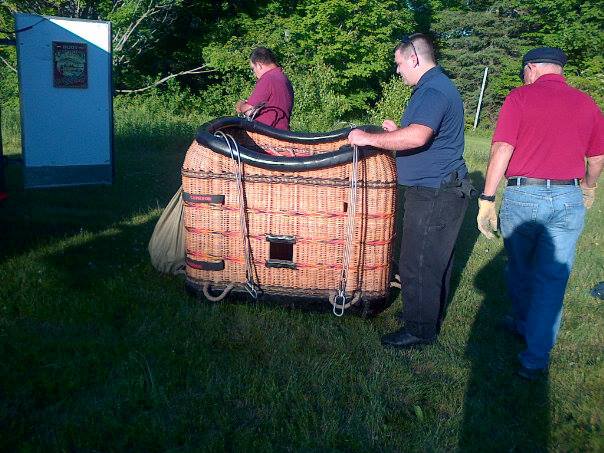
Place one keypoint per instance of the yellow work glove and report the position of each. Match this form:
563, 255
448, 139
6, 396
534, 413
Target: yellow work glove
589, 195
487, 218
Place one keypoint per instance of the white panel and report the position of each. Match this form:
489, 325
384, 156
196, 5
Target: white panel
64, 127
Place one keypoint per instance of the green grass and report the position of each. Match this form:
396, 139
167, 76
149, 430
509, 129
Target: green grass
98, 352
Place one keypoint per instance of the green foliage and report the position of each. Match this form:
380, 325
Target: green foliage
338, 53
589, 77
219, 99
355, 39
471, 40
8, 58
11, 127
573, 25
395, 96
317, 106
576, 27
159, 115
9, 87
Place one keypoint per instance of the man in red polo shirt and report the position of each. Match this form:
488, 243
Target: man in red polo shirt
273, 95
546, 133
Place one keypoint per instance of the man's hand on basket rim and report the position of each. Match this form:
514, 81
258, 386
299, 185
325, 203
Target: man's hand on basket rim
359, 138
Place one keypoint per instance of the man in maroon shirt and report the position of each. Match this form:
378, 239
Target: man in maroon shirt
273, 95
545, 134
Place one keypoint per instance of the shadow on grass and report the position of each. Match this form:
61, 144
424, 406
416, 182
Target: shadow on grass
147, 175
80, 348
502, 412
468, 234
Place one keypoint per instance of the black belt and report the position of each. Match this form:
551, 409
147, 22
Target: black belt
522, 181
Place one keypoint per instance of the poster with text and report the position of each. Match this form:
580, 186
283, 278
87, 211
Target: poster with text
70, 64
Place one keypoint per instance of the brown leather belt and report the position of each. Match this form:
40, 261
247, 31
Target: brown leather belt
522, 181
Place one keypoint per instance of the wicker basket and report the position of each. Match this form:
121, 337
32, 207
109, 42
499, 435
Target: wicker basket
296, 211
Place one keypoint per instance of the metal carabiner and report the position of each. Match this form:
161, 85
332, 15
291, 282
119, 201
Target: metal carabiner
341, 295
251, 288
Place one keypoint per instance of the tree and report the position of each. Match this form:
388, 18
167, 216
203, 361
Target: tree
577, 27
355, 39
138, 26
469, 41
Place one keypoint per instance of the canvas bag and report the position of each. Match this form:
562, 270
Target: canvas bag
167, 244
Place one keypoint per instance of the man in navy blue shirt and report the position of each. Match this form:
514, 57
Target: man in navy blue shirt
430, 165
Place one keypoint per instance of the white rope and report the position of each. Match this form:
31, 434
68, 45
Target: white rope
251, 286
221, 296
338, 308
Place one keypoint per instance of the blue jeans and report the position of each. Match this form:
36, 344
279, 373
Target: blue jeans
540, 228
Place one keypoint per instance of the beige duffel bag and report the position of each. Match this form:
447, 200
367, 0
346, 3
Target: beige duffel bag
167, 244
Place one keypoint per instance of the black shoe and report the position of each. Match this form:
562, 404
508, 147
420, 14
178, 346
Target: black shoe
403, 339
508, 324
531, 374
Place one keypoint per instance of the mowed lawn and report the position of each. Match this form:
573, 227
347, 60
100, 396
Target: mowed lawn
98, 352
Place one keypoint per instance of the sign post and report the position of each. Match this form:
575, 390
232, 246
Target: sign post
484, 81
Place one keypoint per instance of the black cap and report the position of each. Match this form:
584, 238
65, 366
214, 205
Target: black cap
545, 55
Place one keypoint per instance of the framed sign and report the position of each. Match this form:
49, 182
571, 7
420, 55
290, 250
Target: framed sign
70, 63
65, 91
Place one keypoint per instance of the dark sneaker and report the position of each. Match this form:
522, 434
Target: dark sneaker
531, 374
403, 339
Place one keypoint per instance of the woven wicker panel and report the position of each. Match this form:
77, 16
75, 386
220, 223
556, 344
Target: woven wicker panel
255, 141
310, 206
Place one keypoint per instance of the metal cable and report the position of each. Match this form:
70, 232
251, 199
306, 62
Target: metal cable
251, 286
338, 308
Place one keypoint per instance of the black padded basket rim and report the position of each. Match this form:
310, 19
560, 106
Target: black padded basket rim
205, 137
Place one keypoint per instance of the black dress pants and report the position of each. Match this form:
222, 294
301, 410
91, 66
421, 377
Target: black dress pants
431, 223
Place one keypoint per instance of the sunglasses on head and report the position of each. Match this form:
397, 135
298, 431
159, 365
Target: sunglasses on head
407, 40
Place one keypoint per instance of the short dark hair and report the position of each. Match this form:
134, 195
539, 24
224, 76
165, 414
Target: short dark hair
421, 43
263, 55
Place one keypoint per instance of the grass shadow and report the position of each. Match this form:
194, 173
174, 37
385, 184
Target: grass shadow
146, 177
502, 412
466, 239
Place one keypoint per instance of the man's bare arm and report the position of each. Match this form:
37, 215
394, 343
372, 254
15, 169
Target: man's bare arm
595, 165
501, 153
410, 137
486, 220
590, 181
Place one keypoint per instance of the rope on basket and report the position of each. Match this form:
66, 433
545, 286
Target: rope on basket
396, 283
339, 301
334, 294
206, 292
250, 284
